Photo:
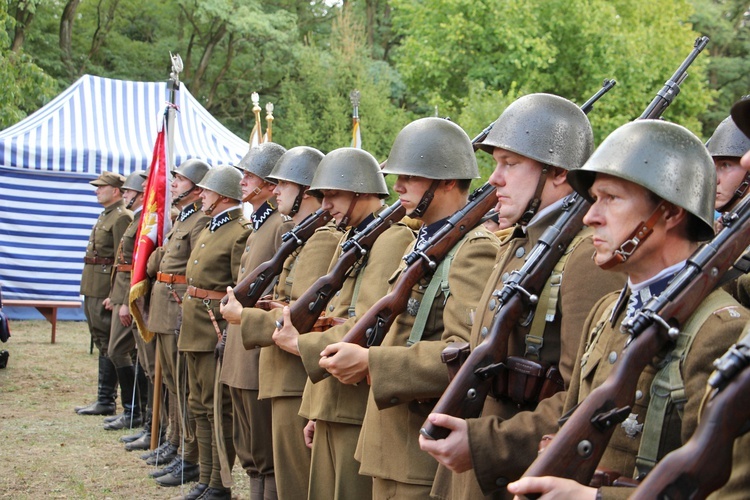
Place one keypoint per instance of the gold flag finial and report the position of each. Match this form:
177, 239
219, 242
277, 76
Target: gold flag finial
269, 122
256, 137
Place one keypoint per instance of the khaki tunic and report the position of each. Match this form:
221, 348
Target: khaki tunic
105, 235
172, 258
282, 373
120, 293
325, 398
722, 328
407, 380
240, 366
213, 265
504, 441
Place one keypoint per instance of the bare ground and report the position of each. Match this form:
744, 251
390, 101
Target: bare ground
47, 450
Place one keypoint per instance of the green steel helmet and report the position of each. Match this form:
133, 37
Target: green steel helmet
297, 165
665, 158
223, 180
544, 127
434, 148
134, 181
193, 169
260, 160
741, 114
728, 140
349, 169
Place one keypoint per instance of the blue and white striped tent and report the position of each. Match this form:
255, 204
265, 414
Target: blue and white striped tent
47, 207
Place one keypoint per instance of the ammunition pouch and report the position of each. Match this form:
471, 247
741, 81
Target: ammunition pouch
527, 382
454, 356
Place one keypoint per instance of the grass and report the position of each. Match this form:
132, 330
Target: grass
46, 449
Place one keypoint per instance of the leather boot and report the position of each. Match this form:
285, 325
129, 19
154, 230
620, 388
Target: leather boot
143, 442
106, 391
131, 417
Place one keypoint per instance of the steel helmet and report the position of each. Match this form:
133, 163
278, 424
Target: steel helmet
297, 165
544, 127
665, 158
223, 180
193, 169
434, 148
349, 169
134, 181
741, 114
728, 140
260, 160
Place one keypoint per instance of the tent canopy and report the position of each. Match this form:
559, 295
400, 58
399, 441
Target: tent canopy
47, 207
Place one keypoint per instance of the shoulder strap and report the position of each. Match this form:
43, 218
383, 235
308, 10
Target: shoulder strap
668, 387
548, 300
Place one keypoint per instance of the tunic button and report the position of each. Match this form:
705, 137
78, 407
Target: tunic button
338, 293
195, 261
483, 331
520, 252
501, 481
612, 357
203, 245
242, 269
638, 395
330, 308
394, 401
276, 296
492, 305
505, 277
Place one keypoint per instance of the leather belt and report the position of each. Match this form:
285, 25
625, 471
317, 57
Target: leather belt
179, 279
124, 268
105, 261
200, 293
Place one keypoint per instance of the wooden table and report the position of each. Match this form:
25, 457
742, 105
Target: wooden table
48, 308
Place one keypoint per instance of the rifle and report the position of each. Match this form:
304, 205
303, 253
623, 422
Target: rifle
423, 260
577, 448
254, 285
704, 463
309, 306
464, 397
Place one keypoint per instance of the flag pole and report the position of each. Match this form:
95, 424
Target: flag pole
255, 136
269, 122
356, 137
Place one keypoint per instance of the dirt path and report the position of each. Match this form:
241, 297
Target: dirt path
46, 450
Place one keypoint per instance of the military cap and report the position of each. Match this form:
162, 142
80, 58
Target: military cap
108, 179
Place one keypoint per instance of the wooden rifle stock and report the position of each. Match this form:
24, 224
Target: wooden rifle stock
465, 395
579, 445
704, 463
422, 261
310, 305
254, 285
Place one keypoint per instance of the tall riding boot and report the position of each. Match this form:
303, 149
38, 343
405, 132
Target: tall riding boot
131, 417
256, 487
106, 391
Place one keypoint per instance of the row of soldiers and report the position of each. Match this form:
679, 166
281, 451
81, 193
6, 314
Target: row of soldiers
308, 415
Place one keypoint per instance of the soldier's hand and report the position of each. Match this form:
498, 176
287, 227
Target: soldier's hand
232, 311
309, 432
551, 488
107, 304
453, 451
287, 336
124, 313
347, 362
220, 346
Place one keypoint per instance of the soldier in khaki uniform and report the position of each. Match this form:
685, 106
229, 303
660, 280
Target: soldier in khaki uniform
213, 265
282, 377
167, 266
351, 185
252, 418
643, 169
122, 333
535, 142
435, 162
726, 146
95, 284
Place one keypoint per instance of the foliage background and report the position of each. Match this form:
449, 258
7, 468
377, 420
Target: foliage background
466, 59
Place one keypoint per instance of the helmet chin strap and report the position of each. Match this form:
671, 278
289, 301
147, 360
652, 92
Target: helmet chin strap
182, 196
132, 201
536, 200
298, 201
424, 203
738, 193
345, 220
642, 231
255, 192
209, 209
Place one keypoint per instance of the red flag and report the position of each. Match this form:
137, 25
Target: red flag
155, 224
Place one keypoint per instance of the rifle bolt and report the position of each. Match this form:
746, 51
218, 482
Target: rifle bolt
471, 394
585, 448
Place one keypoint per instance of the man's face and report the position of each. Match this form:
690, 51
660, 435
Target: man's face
179, 185
337, 202
251, 185
128, 195
515, 179
286, 192
410, 189
729, 175
107, 195
208, 198
619, 207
